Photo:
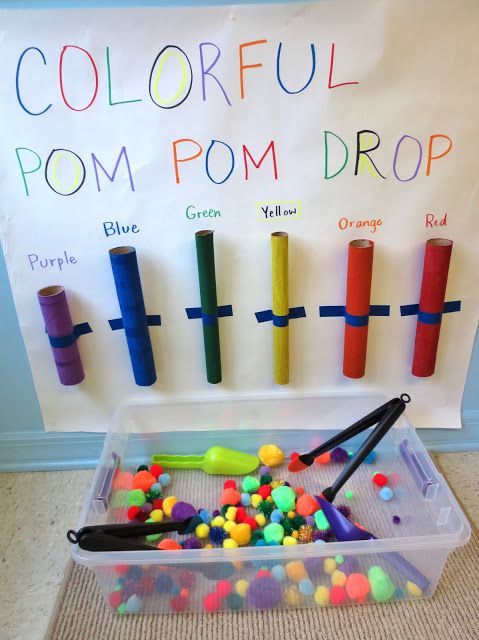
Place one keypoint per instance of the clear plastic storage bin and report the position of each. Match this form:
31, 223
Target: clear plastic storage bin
304, 575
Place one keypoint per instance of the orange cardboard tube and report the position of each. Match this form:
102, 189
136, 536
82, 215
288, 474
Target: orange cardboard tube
358, 297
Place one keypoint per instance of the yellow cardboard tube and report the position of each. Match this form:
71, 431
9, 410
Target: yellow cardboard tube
279, 263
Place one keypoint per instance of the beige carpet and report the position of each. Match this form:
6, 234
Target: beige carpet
452, 614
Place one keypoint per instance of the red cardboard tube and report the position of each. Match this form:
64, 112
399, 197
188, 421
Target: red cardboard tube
433, 292
358, 296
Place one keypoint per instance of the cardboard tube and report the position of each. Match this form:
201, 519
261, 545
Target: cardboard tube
358, 297
205, 254
433, 291
58, 323
279, 263
130, 297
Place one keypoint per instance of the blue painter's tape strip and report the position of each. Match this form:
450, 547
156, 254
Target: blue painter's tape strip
195, 313
280, 321
66, 341
430, 318
352, 320
151, 321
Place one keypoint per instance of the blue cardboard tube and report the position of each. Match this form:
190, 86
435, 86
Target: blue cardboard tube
132, 306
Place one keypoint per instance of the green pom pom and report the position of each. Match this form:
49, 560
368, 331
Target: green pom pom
266, 508
250, 484
321, 521
153, 494
136, 498
234, 601
287, 524
119, 499
142, 467
298, 521
122, 608
153, 537
256, 535
266, 479
225, 508
118, 587
382, 587
349, 494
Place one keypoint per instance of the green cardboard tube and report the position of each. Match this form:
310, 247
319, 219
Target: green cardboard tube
205, 254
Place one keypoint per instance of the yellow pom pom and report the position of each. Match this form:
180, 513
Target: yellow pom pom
156, 515
321, 596
338, 578
413, 589
329, 565
202, 531
289, 540
291, 514
208, 546
295, 534
256, 500
229, 543
276, 483
270, 499
229, 525
168, 504
231, 513
295, 570
241, 587
292, 596
260, 519
242, 534
271, 455
218, 521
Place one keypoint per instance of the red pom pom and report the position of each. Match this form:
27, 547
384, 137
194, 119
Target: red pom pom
294, 455
146, 585
252, 522
186, 579
142, 516
121, 568
264, 491
263, 573
156, 470
158, 503
223, 588
299, 491
380, 480
178, 603
229, 484
241, 514
115, 599
133, 512
212, 602
337, 595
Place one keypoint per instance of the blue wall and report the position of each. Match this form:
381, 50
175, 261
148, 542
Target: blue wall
24, 444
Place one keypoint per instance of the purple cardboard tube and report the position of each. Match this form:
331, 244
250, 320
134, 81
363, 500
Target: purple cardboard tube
60, 330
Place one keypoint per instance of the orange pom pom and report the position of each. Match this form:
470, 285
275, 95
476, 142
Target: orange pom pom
230, 496
143, 480
167, 544
306, 505
357, 587
323, 459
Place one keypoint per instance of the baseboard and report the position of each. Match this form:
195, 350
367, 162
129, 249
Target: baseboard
40, 451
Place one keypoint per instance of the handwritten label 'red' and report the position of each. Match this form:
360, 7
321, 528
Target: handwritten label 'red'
278, 209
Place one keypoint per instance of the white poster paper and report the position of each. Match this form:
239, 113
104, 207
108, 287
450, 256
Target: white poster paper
331, 121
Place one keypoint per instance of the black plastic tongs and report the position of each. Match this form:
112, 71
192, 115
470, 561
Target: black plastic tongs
116, 537
384, 417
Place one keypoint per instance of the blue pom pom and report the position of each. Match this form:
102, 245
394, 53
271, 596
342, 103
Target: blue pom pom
205, 516
164, 479
134, 573
260, 543
156, 487
278, 572
163, 583
306, 587
217, 535
370, 458
175, 590
133, 604
386, 494
245, 499
276, 516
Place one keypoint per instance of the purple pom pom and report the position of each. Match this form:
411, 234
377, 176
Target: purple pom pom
216, 512
344, 510
339, 455
310, 520
264, 470
396, 519
264, 593
182, 510
322, 535
287, 484
192, 543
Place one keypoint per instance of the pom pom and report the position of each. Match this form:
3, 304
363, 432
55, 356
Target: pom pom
349, 494
218, 521
143, 480
242, 534
306, 587
168, 544
250, 484
229, 484
396, 519
142, 467
321, 596
265, 479
337, 595
253, 523
158, 503
164, 479
245, 499
339, 455
115, 598
231, 497
264, 491
192, 543
266, 508
156, 470
299, 491
276, 516
212, 602
223, 588
380, 480
344, 510
234, 602
182, 510
271, 455
202, 531
370, 458
386, 494
241, 514
229, 543
325, 458
305, 532
217, 535
163, 583
136, 498
168, 504
131, 515
241, 587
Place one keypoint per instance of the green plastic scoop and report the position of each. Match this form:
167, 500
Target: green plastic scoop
216, 461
